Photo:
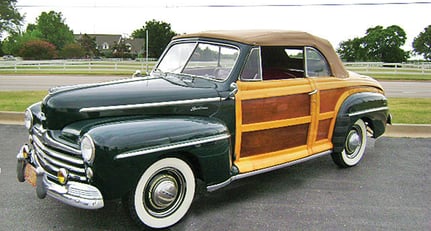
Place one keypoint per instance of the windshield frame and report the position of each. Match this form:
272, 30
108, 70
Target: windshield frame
196, 45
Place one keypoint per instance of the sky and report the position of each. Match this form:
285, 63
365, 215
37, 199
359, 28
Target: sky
324, 18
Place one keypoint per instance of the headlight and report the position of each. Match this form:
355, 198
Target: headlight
28, 119
87, 149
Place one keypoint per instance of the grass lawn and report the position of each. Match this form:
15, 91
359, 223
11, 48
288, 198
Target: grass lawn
410, 110
19, 100
404, 110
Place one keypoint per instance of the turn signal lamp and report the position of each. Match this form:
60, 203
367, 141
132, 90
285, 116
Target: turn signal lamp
25, 151
62, 176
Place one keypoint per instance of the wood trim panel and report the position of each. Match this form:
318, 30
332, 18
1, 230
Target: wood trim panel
329, 98
271, 140
275, 108
323, 129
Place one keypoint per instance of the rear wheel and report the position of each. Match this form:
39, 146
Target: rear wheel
354, 146
163, 194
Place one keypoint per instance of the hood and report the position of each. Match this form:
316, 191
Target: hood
143, 96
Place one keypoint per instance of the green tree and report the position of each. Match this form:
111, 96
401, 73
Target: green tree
14, 42
72, 51
352, 50
384, 44
422, 43
53, 29
38, 50
121, 50
378, 45
88, 44
10, 18
159, 35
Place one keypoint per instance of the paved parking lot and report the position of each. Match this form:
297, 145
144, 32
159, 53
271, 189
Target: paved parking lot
389, 190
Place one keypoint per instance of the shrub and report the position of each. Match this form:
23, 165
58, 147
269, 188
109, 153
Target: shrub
38, 50
72, 51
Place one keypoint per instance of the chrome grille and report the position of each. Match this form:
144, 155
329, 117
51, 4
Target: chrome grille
52, 155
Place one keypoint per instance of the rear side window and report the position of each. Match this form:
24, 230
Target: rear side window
316, 63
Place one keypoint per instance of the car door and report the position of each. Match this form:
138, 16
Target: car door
275, 106
331, 91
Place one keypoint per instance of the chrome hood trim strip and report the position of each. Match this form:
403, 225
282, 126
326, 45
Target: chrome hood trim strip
148, 105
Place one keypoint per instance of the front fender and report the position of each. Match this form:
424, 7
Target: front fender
369, 106
124, 150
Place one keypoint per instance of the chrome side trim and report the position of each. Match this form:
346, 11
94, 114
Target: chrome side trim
147, 105
368, 111
166, 147
215, 187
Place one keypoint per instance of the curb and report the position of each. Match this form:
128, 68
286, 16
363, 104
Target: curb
14, 118
395, 130
409, 130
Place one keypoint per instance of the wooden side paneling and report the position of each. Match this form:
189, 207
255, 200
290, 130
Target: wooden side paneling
271, 140
275, 108
323, 129
329, 98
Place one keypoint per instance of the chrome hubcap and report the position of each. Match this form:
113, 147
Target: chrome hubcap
353, 143
164, 192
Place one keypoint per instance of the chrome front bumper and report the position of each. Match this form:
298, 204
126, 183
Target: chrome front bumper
72, 193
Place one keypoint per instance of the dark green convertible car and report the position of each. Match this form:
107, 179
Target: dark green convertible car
218, 106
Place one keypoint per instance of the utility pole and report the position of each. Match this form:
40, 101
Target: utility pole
146, 50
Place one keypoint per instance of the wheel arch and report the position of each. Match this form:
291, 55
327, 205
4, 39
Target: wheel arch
371, 107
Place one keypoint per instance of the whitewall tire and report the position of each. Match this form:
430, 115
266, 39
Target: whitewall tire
354, 146
163, 194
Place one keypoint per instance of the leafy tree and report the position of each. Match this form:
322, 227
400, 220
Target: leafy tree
422, 43
120, 50
38, 50
88, 44
10, 18
13, 43
72, 51
385, 44
53, 29
352, 50
159, 35
379, 44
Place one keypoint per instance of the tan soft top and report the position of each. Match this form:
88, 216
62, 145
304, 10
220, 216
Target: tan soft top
277, 38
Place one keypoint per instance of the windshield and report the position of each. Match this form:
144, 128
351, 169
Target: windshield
211, 61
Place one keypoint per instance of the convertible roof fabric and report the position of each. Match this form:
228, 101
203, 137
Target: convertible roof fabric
277, 38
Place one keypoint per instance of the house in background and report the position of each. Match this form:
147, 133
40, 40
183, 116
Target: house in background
107, 43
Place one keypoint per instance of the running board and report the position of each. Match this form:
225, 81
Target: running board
215, 187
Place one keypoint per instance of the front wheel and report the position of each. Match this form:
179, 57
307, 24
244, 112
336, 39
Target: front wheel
354, 146
163, 194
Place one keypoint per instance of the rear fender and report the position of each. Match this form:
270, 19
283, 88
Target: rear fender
368, 106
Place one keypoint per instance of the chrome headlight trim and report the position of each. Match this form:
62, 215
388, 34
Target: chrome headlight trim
88, 149
28, 119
